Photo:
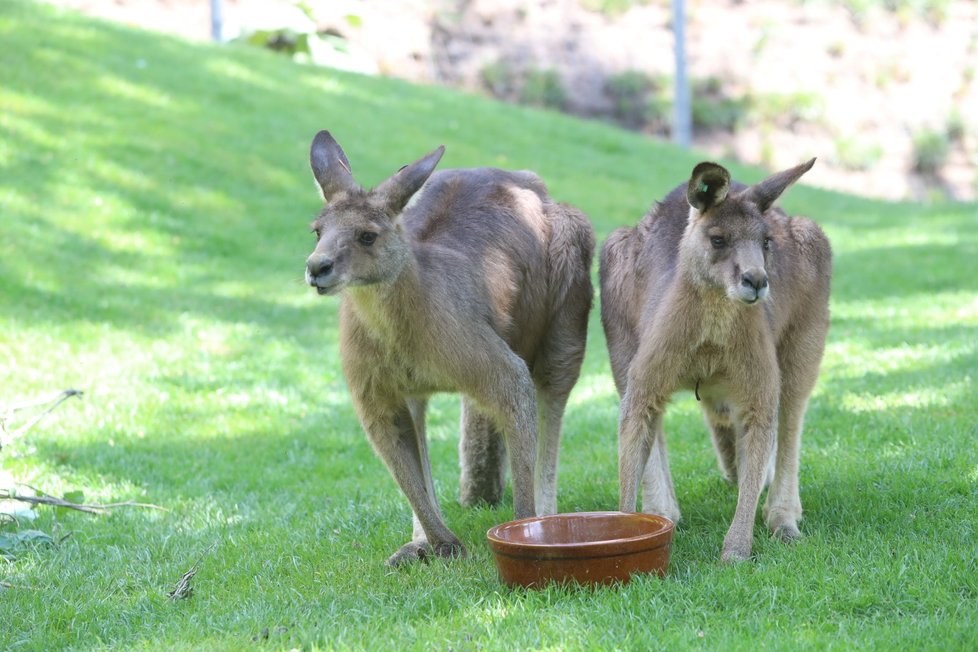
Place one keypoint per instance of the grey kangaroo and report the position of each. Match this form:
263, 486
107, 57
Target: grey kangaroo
717, 291
472, 281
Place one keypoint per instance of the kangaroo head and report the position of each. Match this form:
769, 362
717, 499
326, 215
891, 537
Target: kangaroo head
359, 238
726, 244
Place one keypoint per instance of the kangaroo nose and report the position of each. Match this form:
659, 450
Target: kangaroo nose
319, 265
755, 279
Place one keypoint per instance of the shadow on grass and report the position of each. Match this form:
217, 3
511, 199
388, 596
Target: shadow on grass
181, 214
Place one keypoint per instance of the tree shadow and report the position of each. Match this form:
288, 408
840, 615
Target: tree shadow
170, 225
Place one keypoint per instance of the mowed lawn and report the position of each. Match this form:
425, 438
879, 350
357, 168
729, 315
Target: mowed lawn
154, 208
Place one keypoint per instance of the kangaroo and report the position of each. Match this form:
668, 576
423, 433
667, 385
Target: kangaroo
472, 281
718, 292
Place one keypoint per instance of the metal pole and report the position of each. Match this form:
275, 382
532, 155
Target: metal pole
217, 20
682, 133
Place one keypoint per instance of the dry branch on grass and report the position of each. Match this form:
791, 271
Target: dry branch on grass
42, 499
6, 413
39, 497
8, 585
183, 589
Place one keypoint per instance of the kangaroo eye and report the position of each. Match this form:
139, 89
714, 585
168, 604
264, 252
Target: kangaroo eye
718, 241
768, 243
367, 238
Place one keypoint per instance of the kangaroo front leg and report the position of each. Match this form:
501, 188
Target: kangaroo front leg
395, 439
417, 407
724, 435
635, 431
658, 494
757, 442
782, 509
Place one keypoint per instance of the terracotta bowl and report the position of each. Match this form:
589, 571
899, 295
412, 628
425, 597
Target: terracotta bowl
582, 547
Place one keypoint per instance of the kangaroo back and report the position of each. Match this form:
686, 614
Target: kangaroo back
534, 254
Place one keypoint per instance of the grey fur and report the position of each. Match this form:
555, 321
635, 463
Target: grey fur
477, 282
745, 323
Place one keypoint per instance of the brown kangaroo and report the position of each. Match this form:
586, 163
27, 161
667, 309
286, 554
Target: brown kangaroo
718, 292
472, 281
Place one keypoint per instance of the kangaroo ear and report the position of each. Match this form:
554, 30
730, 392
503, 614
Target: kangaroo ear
330, 166
398, 189
765, 193
708, 186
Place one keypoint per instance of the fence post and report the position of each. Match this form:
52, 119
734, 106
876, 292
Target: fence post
217, 21
682, 128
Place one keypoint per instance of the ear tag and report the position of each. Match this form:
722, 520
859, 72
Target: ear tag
703, 187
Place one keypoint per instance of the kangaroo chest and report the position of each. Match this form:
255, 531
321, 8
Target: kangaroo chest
395, 358
708, 347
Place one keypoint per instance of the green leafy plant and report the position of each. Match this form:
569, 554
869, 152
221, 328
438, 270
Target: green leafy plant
630, 91
930, 150
713, 109
956, 127
499, 78
786, 109
612, 7
640, 101
543, 88
283, 41
854, 153
13, 544
658, 114
934, 11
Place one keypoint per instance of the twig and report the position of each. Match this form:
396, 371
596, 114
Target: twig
56, 502
8, 412
183, 589
43, 499
16, 407
8, 585
130, 503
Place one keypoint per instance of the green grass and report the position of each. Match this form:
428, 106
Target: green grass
154, 209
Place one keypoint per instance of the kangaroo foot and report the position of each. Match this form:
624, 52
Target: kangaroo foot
736, 548
783, 523
415, 551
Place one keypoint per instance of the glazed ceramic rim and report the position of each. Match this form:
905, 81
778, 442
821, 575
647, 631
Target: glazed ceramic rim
656, 538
